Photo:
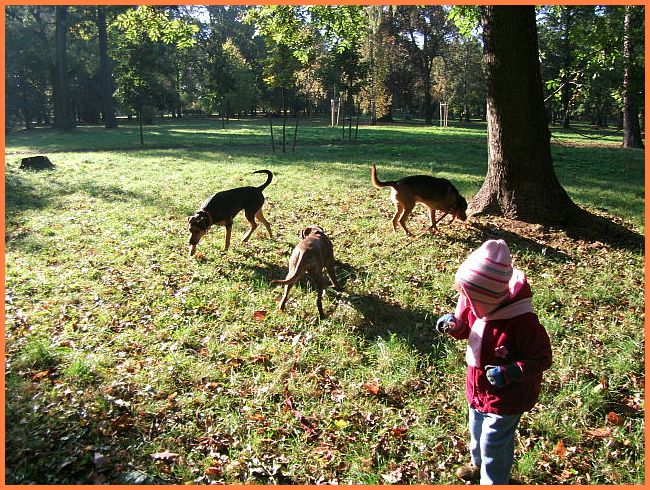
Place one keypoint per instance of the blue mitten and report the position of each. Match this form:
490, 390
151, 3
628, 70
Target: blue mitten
445, 323
502, 375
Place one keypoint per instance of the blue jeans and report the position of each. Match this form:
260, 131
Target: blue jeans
492, 445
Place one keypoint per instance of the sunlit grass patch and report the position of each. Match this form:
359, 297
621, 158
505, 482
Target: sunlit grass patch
180, 369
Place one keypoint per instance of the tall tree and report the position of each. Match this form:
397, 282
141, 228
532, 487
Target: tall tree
106, 79
631, 86
375, 98
424, 31
521, 181
458, 78
63, 113
27, 66
146, 37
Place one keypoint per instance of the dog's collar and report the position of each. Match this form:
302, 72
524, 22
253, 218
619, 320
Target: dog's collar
209, 216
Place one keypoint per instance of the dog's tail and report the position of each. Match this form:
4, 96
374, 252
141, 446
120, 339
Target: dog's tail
375, 181
283, 282
292, 276
269, 178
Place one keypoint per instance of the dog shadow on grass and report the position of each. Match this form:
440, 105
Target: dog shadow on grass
268, 271
381, 317
384, 319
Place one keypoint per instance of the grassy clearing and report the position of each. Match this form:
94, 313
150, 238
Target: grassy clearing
129, 362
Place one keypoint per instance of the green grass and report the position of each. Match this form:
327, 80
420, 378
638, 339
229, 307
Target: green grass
120, 346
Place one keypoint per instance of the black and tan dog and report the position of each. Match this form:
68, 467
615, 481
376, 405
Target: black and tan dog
221, 209
436, 194
313, 253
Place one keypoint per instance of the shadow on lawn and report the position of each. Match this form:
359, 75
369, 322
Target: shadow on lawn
595, 228
589, 227
382, 318
22, 195
415, 327
514, 241
269, 271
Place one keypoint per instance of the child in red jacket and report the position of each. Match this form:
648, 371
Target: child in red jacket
507, 351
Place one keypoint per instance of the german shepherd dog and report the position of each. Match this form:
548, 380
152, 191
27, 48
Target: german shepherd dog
221, 209
434, 193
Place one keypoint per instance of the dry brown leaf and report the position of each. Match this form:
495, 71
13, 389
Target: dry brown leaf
214, 471
258, 417
40, 375
165, 456
259, 315
398, 432
122, 423
600, 432
560, 449
615, 419
372, 387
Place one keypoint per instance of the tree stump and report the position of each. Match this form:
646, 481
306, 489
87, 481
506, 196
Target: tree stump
39, 162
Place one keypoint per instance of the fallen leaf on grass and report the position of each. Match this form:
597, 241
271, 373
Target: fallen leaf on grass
341, 423
372, 387
257, 417
601, 386
615, 419
259, 315
600, 432
165, 456
398, 432
122, 423
40, 375
393, 477
560, 449
214, 471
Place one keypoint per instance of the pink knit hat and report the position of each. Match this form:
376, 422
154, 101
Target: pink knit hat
484, 276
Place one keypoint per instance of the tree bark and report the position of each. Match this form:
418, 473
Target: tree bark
63, 111
521, 181
631, 127
567, 62
108, 108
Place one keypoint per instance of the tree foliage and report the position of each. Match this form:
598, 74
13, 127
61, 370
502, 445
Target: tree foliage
145, 38
382, 61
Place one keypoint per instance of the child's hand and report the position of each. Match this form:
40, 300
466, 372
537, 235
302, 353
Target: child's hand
446, 323
502, 375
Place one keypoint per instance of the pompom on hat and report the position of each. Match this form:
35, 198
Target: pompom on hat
485, 275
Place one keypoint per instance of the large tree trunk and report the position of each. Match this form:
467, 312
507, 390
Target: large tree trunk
631, 128
520, 182
63, 110
108, 108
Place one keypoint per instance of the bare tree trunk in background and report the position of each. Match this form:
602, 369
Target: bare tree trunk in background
108, 108
631, 127
63, 110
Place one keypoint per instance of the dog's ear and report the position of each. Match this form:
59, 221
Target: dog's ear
310, 230
463, 202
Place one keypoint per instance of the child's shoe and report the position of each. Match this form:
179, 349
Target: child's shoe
469, 473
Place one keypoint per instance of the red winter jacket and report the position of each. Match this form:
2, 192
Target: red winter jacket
521, 340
